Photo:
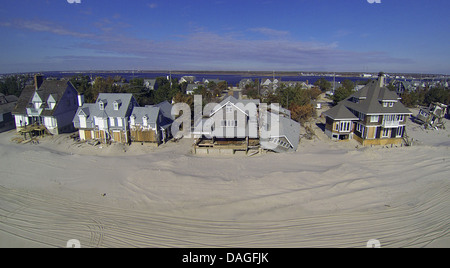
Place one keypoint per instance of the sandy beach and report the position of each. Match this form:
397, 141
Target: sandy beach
327, 194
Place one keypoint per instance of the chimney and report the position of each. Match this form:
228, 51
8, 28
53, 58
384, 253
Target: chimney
80, 100
38, 80
381, 79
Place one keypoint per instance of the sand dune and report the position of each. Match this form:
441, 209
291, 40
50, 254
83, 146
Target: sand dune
325, 195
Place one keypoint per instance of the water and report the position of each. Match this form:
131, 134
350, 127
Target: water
231, 79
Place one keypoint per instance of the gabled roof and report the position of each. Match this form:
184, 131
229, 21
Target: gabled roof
91, 110
166, 111
151, 112
54, 88
108, 99
234, 101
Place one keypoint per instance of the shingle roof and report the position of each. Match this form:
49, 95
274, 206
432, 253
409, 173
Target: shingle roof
150, 112
370, 99
55, 88
92, 110
291, 130
109, 99
340, 112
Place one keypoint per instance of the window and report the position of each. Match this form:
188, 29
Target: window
385, 133
358, 127
101, 106
385, 104
228, 123
389, 118
145, 121
400, 118
400, 132
374, 118
119, 122
51, 105
345, 126
391, 104
229, 108
111, 121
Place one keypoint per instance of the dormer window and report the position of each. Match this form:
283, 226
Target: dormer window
117, 104
145, 120
102, 104
133, 120
391, 104
51, 102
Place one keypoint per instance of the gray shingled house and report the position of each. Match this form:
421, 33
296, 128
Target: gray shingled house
7, 104
107, 119
51, 104
151, 123
238, 125
373, 116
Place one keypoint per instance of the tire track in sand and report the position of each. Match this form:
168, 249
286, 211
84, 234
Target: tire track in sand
51, 221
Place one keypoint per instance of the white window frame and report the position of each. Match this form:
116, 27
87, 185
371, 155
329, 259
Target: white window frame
345, 126
385, 133
374, 118
229, 108
111, 122
83, 123
145, 121
400, 132
119, 122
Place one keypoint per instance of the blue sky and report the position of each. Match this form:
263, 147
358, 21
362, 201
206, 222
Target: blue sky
301, 35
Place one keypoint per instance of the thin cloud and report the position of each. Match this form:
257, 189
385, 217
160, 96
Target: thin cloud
270, 32
45, 26
209, 50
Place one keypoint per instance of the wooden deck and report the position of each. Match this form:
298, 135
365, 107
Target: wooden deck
204, 146
34, 130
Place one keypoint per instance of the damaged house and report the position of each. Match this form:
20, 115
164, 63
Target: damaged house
432, 116
244, 125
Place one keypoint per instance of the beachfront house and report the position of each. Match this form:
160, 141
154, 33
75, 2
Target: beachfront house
287, 138
7, 104
151, 123
239, 125
107, 119
373, 116
49, 105
150, 84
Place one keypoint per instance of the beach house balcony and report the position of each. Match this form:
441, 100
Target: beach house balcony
390, 123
